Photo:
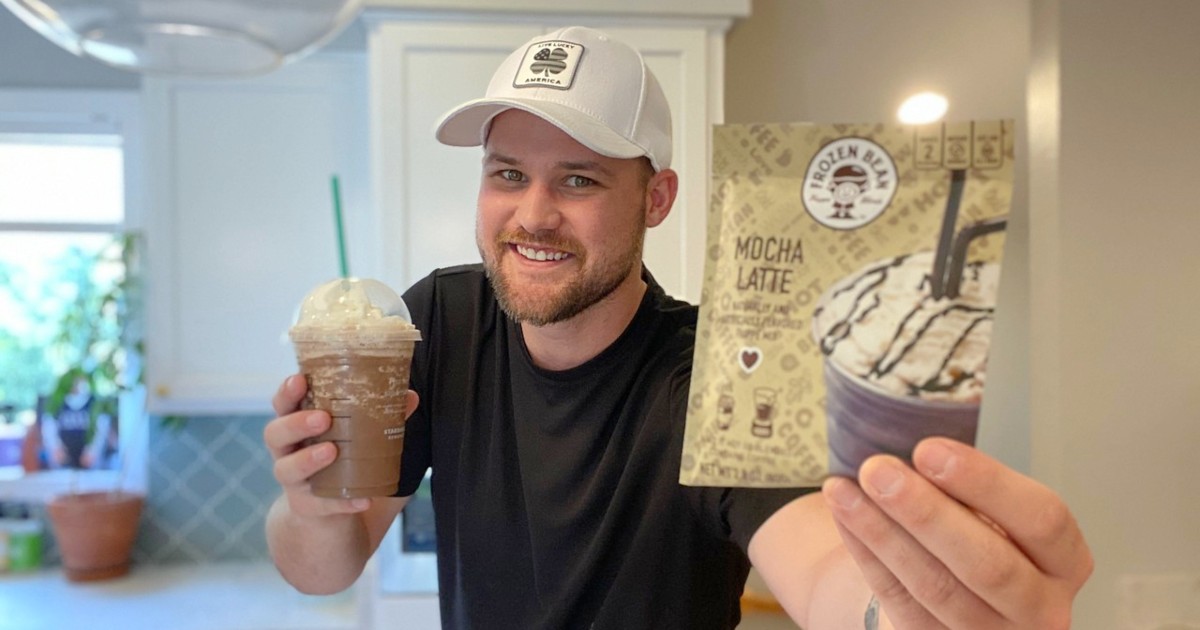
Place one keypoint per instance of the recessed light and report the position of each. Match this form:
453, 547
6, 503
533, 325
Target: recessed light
923, 108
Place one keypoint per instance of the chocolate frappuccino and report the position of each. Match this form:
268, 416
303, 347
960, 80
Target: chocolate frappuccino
354, 343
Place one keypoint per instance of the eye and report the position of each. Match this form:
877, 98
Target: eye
511, 175
579, 181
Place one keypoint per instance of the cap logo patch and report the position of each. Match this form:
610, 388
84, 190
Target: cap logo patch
549, 64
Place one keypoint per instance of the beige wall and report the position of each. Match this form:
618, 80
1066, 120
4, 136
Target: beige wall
1097, 348
1116, 285
855, 60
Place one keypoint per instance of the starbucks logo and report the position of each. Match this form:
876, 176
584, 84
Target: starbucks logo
849, 183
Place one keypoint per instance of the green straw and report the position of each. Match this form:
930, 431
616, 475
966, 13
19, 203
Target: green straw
341, 232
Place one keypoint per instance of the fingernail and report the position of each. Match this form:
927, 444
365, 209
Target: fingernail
289, 382
315, 420
935, 459
842, 492
359, 504
885, 476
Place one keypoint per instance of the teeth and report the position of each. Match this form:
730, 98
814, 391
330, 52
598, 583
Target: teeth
540, 254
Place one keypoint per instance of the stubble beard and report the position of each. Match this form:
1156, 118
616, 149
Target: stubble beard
541, 306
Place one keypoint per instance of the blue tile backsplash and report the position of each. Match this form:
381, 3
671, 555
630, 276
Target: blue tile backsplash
209, 485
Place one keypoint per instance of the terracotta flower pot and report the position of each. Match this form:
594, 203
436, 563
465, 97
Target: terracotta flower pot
95, 532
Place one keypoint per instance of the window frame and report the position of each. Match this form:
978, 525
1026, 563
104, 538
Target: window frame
88, 112
81, 112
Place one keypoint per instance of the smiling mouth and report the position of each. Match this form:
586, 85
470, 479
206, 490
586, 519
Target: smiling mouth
540, 255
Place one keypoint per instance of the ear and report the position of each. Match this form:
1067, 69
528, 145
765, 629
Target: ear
660, 196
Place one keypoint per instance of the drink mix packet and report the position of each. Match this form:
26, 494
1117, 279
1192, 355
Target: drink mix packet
849, 295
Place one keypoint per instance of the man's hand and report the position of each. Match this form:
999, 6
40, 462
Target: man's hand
320, 545
960, 541
295, 462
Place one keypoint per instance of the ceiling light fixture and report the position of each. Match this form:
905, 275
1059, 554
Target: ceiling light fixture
188, 37
923, 108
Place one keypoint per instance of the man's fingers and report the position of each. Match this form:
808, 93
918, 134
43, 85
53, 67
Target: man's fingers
979, 557
295, 468
287, 398
1034, 517
295, 461
921, 581
411, 400
283, 435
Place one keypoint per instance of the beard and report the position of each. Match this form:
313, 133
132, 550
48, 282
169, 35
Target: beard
544, 304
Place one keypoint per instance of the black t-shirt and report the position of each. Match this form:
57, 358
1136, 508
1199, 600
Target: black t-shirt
556, 493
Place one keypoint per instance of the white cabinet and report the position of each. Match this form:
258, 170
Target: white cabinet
241, 223
420, 68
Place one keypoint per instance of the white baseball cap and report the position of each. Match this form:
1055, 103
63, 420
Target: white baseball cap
596, 89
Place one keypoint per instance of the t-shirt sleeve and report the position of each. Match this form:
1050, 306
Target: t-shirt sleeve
745, 509
417, 439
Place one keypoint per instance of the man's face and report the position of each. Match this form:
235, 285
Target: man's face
559, 226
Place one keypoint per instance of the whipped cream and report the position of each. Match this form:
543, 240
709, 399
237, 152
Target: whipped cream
358, 305
882, 325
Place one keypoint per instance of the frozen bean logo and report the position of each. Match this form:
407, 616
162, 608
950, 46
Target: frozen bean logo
849, 183
549, 64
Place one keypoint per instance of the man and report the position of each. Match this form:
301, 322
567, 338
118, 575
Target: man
552, 388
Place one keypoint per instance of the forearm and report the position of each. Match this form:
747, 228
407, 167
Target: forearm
840, 596
802, 559
317, 554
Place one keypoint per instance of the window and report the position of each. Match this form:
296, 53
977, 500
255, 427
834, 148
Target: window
69, 353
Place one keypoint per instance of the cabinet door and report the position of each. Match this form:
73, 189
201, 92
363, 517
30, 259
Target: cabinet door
427, 191
690, 76
241, 223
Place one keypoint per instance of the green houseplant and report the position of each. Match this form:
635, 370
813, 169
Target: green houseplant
101, 331
99, 334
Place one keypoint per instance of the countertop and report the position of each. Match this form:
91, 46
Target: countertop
213, 596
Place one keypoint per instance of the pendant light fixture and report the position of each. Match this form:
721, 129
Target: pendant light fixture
215, 38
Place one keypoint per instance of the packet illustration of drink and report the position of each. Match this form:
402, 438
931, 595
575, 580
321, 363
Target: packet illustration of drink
849, 296
901, 365
354, 341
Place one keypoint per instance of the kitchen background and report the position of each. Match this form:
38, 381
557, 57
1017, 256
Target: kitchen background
1095, 362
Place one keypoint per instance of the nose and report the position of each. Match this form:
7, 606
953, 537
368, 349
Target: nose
537, 210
